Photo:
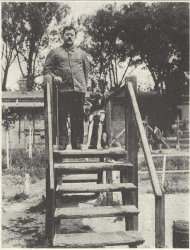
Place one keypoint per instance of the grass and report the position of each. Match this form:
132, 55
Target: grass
19, 197
13, 179
172, 163
174, 182
22, 164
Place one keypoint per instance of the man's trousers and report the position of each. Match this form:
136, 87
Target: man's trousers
71, 103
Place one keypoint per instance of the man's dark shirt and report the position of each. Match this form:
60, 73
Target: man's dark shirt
71, 65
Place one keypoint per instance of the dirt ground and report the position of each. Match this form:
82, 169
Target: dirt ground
23, 220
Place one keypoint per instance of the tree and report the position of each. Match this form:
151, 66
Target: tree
33, 19
37, 18
154, 31
108, 53
10, 20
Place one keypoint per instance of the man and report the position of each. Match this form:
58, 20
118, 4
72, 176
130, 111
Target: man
68, 67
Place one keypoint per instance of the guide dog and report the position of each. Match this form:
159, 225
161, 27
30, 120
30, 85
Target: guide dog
96, 116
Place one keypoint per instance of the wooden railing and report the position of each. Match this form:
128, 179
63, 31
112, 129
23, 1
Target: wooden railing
50, 179
134, 126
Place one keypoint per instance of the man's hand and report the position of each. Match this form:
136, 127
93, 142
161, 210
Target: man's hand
57, 79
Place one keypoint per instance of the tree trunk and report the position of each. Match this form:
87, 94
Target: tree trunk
30, 73
5, 78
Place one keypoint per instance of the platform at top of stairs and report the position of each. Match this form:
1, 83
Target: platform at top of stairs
81, 240
90, 153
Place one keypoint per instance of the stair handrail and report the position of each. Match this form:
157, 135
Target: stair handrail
50, 133
133, 110
151, 168
50, 180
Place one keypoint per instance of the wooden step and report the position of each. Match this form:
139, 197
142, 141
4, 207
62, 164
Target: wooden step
89, 212
90, 153
80, 178
131, 238
94, 188
92, 167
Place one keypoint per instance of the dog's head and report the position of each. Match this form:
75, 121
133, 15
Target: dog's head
98, 86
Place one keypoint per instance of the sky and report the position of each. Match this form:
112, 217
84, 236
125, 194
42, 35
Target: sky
78, 8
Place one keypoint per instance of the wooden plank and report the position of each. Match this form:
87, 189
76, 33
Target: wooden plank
50, 182
80, 178
89, 212
131, 144
94, 188
79, 167
98, 239
100, 173
89, 153
160, 221
153, 177
108, 121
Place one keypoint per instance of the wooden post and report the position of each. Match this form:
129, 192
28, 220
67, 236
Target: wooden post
19, 131
29, 143
59, 200
131, 145
33, 128
50, 185
108, 121
164, 170
160, 221
159, 196
178, 145
7, 146
57, 117
25, 117
100, 174
27, 183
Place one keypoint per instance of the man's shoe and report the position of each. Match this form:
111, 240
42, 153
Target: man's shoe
62, 147
76, 146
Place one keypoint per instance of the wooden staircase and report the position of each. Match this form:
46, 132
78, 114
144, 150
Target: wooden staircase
131, 238
67, 174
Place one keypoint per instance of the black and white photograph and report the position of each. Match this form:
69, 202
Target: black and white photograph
95, 124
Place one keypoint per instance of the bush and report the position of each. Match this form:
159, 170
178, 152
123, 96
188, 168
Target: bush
22, 164
172, 163
19, 197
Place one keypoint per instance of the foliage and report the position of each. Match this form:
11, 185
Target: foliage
159, 34
10, 36
102, 43
21, 164
9, 117
150, 34
19, 197
31, 22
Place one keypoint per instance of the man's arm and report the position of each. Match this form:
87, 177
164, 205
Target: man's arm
49, 67
49, 64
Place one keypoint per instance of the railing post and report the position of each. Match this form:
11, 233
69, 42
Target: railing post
160, 221
50, 191
108, 121
131, 144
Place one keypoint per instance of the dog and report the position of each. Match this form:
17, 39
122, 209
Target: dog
96, 115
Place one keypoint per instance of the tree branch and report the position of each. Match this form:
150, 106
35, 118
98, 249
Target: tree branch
2, 68
19, 63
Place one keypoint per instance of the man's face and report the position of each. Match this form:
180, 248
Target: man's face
69, 37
